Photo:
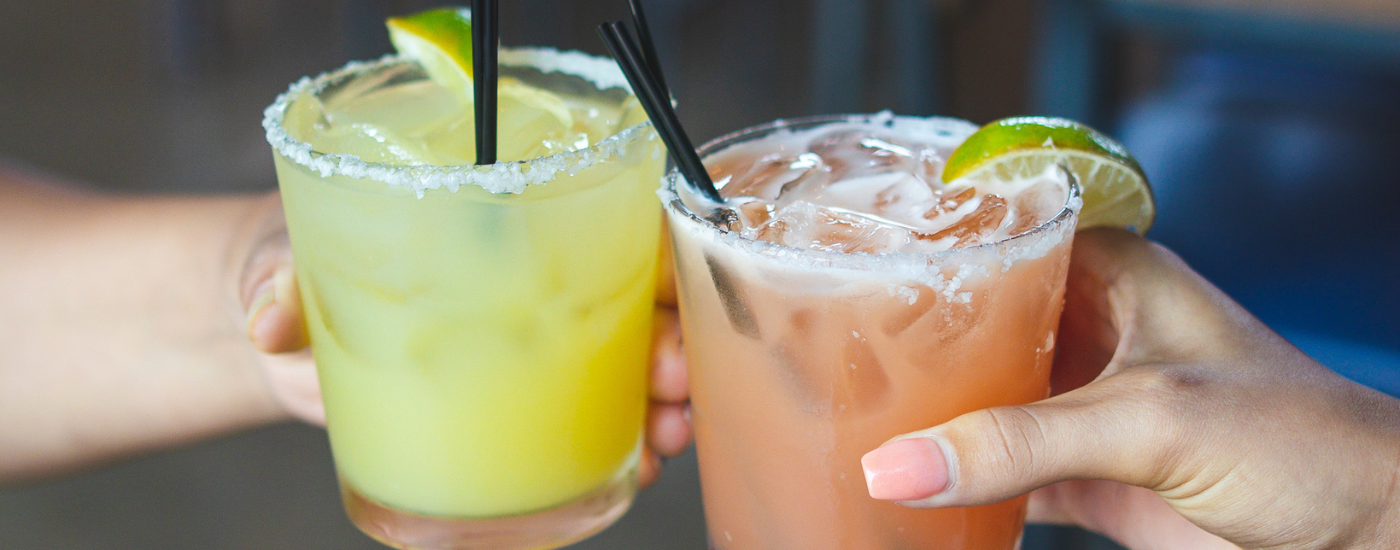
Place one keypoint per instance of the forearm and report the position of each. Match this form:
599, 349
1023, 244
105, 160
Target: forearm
119, 331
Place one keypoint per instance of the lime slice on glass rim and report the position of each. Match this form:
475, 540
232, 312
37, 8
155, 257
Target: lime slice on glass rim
440, 40
1115, 189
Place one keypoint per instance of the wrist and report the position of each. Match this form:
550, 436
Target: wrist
120, 337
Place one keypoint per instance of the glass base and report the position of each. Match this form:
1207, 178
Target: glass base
710, 541
550, 528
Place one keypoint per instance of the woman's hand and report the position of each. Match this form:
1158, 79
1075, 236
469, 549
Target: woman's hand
1180, 422
275, 322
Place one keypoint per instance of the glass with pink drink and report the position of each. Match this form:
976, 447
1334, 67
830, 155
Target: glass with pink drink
844, 294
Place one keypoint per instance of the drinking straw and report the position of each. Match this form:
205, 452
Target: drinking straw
485, 41
639, 20
658, 107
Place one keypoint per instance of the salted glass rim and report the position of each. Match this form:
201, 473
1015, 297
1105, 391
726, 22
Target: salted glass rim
502, 177
1032, 243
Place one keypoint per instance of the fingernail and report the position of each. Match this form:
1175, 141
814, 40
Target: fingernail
260, 302
284, 284
908, 469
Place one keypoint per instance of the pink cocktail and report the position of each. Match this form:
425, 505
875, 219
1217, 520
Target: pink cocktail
844, 295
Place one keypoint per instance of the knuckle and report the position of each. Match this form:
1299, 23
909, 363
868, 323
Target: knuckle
1165, 389
1165, 401
1014, 441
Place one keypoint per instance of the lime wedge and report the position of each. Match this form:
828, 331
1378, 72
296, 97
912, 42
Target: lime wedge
1115, 189
527, 117
510, 90
441, 41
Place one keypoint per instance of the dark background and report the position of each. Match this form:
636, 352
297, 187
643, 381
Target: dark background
1271, 131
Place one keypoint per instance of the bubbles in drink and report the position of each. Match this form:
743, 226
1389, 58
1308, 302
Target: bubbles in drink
870, 188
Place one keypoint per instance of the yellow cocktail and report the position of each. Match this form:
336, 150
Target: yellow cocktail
481, 333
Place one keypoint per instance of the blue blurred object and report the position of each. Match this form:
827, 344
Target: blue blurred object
1070, 65
1276, 179
1272, 149
1368, 365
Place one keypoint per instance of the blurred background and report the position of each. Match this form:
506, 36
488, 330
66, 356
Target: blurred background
1270, 128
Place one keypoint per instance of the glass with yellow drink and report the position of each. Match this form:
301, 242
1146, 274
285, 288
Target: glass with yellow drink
481, 333
844, 294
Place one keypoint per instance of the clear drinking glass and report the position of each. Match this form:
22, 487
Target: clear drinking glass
802, 361
482, 355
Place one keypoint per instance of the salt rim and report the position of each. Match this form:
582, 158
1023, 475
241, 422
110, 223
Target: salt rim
923, 267
501, 177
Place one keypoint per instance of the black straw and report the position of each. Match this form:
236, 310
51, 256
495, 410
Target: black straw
486, 39
639, 20
658, 107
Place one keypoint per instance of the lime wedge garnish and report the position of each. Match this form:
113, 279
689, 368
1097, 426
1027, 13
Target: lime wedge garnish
527, 116
441, 41
511, 90
1115, 189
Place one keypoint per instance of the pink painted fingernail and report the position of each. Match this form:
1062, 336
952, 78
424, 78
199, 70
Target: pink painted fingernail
908, 469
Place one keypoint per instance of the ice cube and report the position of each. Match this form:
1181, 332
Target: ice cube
775, 231
975, 227
894, 197
802, 357
905, 191
736, 305
1036, 205
772, 175
814, 227
809, 352
801, 368
453, 142
903, 316
371, 143
855, 153
837, 140
948, 201
864, 382
929, 166
755, 213
885, 151
829, 365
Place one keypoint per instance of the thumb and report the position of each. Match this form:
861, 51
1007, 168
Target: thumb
271, 301
1115, 430
275, 320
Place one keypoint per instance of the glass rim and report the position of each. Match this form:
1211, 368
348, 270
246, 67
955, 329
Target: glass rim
861, 260
502, 177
